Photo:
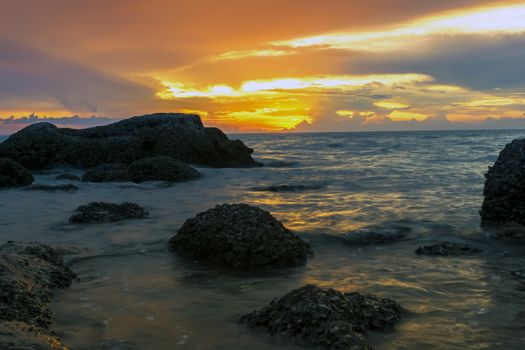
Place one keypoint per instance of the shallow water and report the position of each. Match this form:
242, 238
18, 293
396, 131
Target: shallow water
135, 294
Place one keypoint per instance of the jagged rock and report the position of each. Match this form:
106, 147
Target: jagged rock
102, 212
288, 188
325, 317
28, 274
376, 235
23, 336
509, 232
180, 136
504, 190
239, 235
448, 248
158, 168
13, 174
53, 188
69, 177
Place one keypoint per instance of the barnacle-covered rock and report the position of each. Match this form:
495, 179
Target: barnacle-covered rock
240, 235
326, 317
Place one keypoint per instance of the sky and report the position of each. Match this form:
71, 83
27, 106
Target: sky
265, 66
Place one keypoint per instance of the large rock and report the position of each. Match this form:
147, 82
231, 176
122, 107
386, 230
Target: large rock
504, 190
23, 336
13, 174
326, 318
239, 235
157, 168
180, 136
102, 212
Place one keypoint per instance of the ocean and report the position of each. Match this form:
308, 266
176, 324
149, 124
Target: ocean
133, 293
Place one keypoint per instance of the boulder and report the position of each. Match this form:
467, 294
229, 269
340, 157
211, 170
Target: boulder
448, 248
29, 272
158, 168
180, 136
325, 317
240, 235
102, 212
23, 336
376, 235
13, 174
52, 188
504, 192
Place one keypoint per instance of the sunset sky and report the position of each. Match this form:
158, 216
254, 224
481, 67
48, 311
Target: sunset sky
250, 66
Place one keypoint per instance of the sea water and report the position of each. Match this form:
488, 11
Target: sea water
133, 293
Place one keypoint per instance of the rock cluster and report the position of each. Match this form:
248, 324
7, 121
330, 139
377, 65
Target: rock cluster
326, 318
180, 136
13, 174
239, 235
53, 188
158, 168
504, 192
102, 212
376, 235
448, 248
29, 272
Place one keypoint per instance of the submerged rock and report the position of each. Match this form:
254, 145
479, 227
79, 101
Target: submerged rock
509, 232
239, 235
23, 336
288, 188
13, 174
69, 177
148, 169
448, 248
504, 192
326, 317
180, 136
52, 188
376, 235
102, 212
28, 274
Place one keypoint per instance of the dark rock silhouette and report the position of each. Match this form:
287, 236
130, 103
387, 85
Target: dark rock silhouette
13, 174
102, 212
29, 272
176, 135
158, 168
504, 190
239, 235
448, 248
325, 317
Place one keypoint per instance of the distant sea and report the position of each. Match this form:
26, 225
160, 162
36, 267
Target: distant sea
135, 294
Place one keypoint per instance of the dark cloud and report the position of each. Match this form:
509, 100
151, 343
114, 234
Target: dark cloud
29, 77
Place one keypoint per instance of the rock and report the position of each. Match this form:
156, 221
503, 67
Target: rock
504, 192
158, 168
13, 174
239, 235
376, 235
509, 232
28, 274
69, 177
23, 336
288, 188
325, 317
448, 248
102, 212
180, 136
106, 173
52, 188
